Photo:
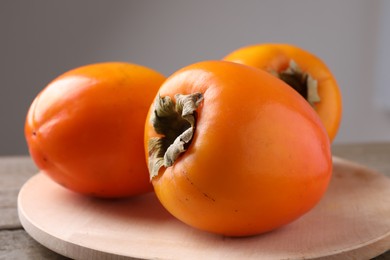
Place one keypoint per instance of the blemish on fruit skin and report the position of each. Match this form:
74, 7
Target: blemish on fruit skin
204, 193
188, 179
207, 196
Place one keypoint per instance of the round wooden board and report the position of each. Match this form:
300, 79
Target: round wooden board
352, 221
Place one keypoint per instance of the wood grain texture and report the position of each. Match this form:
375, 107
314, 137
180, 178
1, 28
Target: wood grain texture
372, 155
351, 222
16, 170
15, 244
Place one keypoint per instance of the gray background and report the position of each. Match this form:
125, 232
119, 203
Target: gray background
41, 39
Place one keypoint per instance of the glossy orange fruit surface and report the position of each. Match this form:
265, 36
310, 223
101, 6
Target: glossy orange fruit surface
299, 68
85, 129
234, 150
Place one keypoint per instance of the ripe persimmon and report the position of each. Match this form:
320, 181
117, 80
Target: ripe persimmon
303, 71
85, 129
233, 150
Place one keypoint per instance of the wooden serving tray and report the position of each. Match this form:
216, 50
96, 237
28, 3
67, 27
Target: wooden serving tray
352, 221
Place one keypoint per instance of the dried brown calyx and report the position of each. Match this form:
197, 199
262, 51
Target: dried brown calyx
176, 123
301, 81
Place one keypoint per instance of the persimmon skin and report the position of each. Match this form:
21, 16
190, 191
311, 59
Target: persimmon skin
259, 159
85, 129
276, 57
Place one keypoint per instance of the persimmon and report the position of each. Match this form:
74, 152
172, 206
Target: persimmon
233, 150
303, 71
85, 129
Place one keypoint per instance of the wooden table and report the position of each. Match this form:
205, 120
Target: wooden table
15, 243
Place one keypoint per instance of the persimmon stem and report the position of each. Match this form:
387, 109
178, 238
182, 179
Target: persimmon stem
176, 123
302, 82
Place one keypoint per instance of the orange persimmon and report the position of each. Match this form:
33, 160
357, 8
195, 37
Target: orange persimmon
302, 70
234, 150
85, 129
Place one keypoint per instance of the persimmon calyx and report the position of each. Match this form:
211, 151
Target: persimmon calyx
176, 123
302, 82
